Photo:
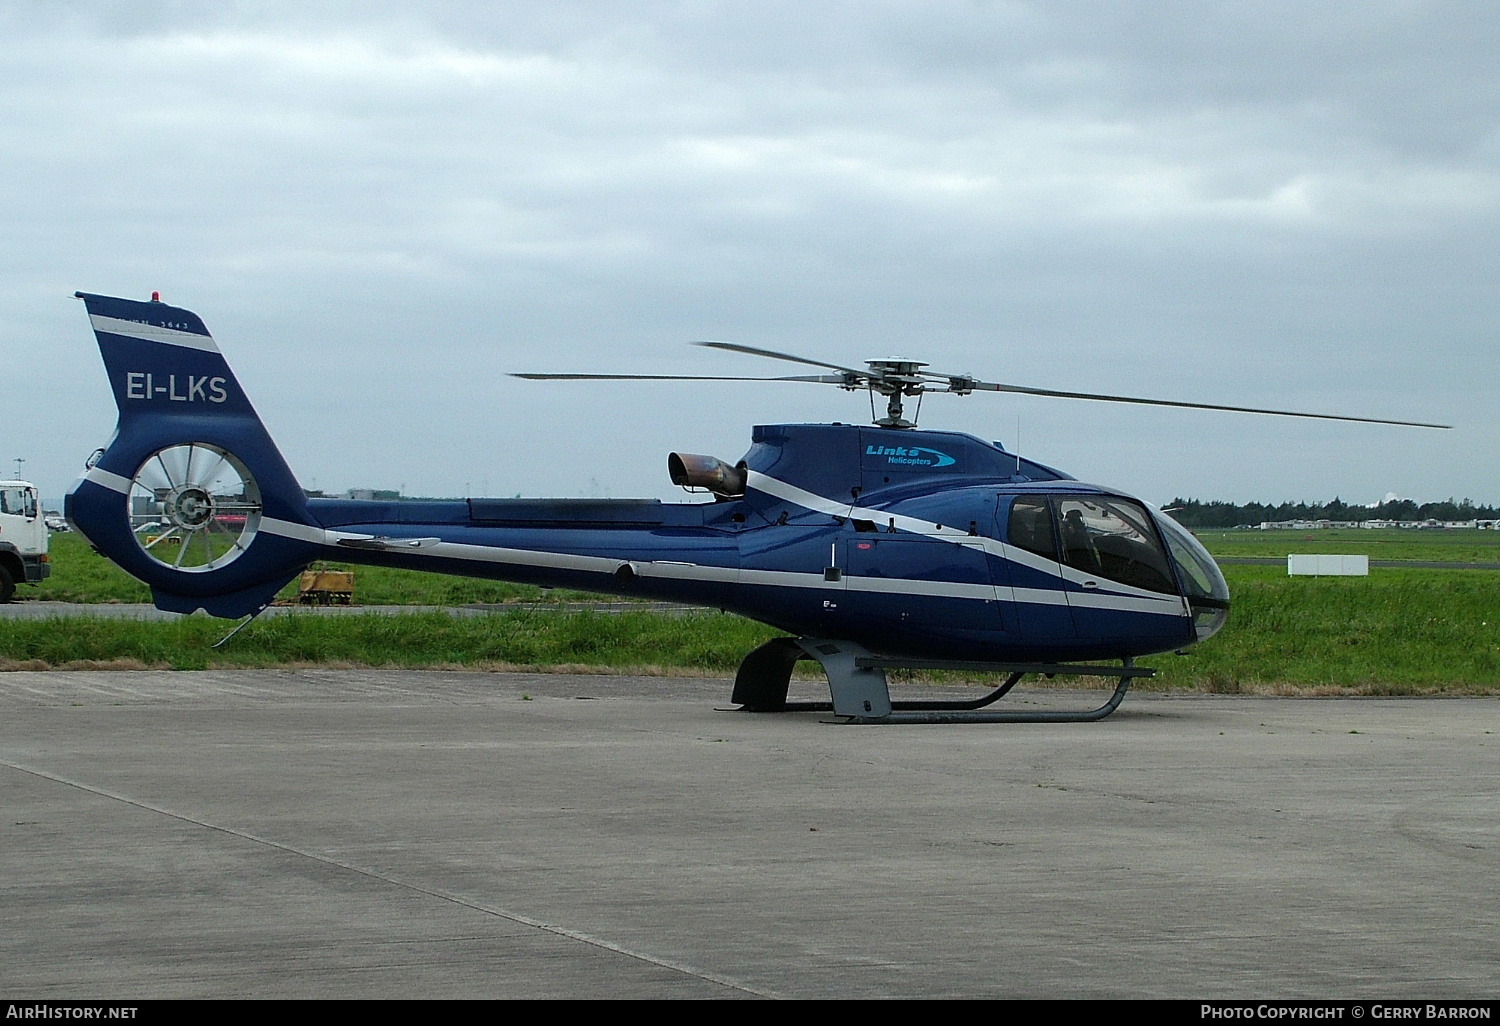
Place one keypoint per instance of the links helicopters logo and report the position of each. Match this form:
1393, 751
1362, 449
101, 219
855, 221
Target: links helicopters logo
910, 456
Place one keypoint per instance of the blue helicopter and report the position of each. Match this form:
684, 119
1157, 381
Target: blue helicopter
872, 547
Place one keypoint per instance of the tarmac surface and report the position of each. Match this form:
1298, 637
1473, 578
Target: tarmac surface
368, 834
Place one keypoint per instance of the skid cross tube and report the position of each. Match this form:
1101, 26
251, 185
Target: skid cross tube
856, 679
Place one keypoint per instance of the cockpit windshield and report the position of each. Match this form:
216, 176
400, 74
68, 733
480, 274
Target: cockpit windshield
1113, 537
1207, 592
1105, 535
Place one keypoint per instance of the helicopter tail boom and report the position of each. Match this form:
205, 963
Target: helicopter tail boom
191, 476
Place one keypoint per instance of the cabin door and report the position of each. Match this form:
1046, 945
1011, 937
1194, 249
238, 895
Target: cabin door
909, 580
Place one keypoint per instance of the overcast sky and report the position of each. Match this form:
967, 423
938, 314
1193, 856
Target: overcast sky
381, 209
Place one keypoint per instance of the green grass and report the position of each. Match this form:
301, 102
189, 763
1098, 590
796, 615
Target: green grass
81, 575
1394, 632
1397, 631
1456, 546
519, 639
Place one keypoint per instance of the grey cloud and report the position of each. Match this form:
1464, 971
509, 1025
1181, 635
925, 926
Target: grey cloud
386, 207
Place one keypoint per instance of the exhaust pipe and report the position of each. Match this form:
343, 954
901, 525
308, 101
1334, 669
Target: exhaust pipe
693, 471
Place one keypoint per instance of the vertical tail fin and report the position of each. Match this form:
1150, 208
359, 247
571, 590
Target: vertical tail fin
191, 495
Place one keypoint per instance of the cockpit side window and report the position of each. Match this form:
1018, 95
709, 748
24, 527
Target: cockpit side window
1031, 526
1114, 539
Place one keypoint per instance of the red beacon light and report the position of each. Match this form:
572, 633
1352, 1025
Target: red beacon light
155, 296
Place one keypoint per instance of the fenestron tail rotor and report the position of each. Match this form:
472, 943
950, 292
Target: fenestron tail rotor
194, 506
897, 378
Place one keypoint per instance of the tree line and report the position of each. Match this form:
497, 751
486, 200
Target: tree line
1197, 513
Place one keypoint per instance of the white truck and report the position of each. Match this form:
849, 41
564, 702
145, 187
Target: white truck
23, 538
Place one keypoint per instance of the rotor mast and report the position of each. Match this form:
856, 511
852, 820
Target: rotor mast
894, 378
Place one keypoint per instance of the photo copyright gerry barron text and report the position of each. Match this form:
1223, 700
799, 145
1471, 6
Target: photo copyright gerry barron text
1346, 1010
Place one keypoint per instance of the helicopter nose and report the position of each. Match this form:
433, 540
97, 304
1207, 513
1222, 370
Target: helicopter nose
1208, 621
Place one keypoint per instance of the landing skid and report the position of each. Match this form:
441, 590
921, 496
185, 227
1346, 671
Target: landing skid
856, 680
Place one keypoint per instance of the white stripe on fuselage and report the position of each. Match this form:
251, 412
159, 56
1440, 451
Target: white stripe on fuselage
154, 333
665, 570
103, 478
1132, 600
677, 570
1110, 595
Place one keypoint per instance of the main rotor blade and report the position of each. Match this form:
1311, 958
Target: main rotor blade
735, 347
826, 379
990, 386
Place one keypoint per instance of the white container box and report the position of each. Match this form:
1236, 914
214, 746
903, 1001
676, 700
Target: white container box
1328, 566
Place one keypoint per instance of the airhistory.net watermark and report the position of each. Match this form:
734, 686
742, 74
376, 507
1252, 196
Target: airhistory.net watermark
42, 1010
